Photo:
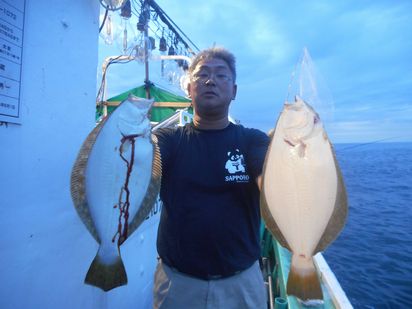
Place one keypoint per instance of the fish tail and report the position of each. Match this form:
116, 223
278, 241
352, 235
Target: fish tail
106, 276
303, 281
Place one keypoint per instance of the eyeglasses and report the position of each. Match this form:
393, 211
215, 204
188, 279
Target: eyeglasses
204, 76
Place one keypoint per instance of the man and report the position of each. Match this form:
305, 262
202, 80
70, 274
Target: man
208, 238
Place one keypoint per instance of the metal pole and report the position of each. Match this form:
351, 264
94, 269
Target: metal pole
146, 51
270, 284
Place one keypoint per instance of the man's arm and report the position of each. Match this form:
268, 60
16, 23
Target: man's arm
259, 142
259, 182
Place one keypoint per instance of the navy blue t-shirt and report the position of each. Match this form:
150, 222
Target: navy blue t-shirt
210, 218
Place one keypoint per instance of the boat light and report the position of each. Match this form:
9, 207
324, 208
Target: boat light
162, 44
171, 51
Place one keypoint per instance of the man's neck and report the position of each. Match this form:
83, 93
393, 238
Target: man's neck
210, 124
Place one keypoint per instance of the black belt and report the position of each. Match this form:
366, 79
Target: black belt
217, 277
206, 277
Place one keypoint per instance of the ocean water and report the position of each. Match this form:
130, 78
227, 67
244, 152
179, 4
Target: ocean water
372, 257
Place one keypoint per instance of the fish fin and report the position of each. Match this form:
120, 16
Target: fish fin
78, 179
301, 149
303, 281
268, 218
339, 214
271, 223
153, 189
106, 276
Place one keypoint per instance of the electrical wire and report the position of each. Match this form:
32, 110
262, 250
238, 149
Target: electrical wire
100, 93
158, 9
104, 20
109, 7
156, 12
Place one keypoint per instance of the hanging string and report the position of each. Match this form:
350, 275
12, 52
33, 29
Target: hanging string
292, 77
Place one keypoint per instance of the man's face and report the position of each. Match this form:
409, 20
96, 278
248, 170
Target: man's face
212, 88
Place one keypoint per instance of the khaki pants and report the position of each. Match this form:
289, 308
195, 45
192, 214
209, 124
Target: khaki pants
174, 290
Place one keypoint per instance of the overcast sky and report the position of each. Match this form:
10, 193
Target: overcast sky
362, 49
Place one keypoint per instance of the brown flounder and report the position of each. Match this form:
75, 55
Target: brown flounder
303, 200
114, 185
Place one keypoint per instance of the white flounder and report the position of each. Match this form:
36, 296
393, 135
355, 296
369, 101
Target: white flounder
303, 200
114, 184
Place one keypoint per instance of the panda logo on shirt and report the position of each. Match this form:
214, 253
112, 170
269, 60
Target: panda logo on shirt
236, 162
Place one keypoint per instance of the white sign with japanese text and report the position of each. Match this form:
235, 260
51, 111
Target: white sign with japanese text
11, 48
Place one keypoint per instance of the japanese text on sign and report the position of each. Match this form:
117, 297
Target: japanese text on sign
11, 48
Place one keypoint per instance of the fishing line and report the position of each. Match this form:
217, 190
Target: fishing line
357, 145
292, 77
307, 83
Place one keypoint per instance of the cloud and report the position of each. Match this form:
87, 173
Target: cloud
360, 48
371, 130
233, 24
265, 39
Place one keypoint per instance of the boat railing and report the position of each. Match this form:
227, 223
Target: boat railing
276, 265
179, 118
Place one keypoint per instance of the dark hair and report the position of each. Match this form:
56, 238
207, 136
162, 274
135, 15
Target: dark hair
215, 53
